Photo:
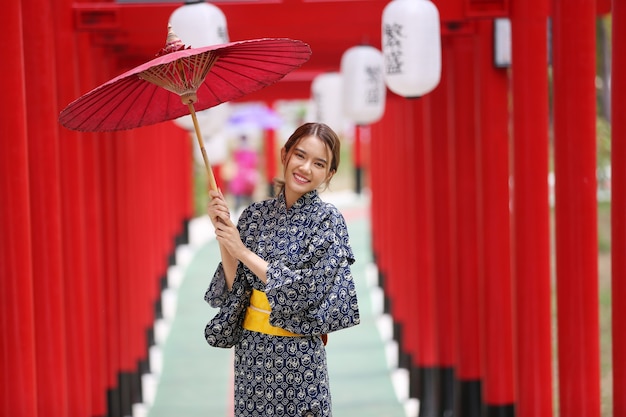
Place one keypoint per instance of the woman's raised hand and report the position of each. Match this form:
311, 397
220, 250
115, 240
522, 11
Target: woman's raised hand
226, 231
218, 209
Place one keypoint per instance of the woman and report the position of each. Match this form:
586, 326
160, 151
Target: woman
289, 258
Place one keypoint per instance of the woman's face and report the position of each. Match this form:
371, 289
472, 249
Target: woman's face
307, 167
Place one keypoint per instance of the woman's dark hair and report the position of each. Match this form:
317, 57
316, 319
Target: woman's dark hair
324, 133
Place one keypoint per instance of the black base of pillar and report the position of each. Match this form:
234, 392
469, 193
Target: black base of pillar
150, 339
507, 410
358, 180
386, 300
171, 259
446, 391
404, 359
183, 237
415, 383
424, 385
114, 402
130, 391
125, 383
469, 399
158, 309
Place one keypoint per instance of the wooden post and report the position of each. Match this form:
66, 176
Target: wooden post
18, 389
468, 317
444, 245
574, 51
531, 231
618, 207
494, 219
45, 207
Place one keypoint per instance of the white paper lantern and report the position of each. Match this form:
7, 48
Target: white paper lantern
216, 118
216, 146
211, 120
327, 100
364, 87
411, 46
502, 54
199, 24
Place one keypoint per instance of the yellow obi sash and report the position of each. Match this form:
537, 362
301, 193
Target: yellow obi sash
258, 316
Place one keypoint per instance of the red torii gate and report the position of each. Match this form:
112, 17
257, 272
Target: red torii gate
86, 226
54, 190
491, 322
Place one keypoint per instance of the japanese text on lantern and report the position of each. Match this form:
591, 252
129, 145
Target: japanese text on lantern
393, 48
222, 34
373, 78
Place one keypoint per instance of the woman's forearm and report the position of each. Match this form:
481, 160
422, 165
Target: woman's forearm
255, 263
229, 263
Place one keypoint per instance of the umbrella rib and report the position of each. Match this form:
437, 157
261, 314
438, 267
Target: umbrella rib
93, 103
123, 101
126, 101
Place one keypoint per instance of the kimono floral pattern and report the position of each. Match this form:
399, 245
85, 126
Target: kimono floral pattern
311, 292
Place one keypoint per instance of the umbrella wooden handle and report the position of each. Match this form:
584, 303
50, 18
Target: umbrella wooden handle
207, 164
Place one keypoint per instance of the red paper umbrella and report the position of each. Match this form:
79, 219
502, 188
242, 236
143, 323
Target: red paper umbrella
183, 80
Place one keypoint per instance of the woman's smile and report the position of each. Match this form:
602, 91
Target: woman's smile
300, 179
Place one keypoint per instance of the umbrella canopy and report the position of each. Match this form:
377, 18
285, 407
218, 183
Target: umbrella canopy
156, 91
182, 80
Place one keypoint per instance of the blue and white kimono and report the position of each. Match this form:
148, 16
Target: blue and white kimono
311, 293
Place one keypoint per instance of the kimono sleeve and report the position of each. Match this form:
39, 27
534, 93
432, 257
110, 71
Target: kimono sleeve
224, 330
217, 293
219, 296
320, 296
